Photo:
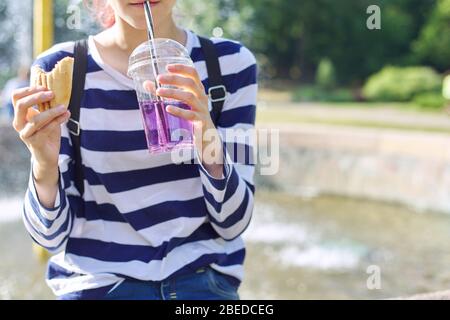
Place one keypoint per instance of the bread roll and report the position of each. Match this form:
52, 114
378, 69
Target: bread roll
59, 81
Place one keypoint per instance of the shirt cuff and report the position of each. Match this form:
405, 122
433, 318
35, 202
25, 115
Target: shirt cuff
218, 184
48, 212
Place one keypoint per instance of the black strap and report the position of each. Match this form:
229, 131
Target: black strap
216, 89
78, 81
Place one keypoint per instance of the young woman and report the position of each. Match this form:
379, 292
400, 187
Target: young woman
150, 229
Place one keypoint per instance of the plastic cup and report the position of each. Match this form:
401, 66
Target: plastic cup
163, 131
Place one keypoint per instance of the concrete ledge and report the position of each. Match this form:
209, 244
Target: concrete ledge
14, 162
410, 168
442, 295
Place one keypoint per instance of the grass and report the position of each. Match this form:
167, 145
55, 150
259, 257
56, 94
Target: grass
402, 106
277, 105
291, 94
292, 116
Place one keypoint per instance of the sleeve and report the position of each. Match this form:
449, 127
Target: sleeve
50, 227
229, 200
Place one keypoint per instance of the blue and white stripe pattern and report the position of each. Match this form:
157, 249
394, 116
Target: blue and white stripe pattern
144, 217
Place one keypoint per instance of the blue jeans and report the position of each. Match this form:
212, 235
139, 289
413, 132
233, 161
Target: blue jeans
204, 284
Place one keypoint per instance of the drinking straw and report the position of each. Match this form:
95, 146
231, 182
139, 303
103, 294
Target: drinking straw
161, 119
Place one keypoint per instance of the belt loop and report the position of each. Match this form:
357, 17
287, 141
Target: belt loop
200, 270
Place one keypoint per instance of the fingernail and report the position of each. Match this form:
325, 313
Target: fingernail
61, 107
48, 94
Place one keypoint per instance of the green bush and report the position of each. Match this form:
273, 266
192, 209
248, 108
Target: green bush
430, 100
446, 87
326, 74
341, 95
316, 94
401, 84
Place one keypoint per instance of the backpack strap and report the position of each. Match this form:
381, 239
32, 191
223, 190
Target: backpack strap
78, 81
216, 90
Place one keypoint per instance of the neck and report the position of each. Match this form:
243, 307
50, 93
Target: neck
127, 38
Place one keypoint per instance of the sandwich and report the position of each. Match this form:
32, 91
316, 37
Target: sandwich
59, 81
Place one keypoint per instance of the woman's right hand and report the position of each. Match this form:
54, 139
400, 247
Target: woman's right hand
40, 131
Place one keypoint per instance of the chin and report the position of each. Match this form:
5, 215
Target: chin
139, 24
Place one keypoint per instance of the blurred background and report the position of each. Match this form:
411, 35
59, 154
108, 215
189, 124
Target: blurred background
360, 207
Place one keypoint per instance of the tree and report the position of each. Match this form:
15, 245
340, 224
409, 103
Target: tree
298, 33
15, 37
204, 16
6, 38
433, 44
325, 76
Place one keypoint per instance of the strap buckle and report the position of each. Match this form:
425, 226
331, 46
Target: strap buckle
217, 93
74, 127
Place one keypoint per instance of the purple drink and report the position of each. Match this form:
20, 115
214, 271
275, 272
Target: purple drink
165, 132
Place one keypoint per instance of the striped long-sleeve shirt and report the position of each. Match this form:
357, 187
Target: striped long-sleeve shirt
144, 217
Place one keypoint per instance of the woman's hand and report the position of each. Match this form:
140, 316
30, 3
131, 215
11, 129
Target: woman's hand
41, 133
191, 91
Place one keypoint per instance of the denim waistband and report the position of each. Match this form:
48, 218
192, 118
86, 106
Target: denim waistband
99, 293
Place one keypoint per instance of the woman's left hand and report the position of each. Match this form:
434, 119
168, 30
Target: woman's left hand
191, 91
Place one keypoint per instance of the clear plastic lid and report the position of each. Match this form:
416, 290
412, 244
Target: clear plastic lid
166, 49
